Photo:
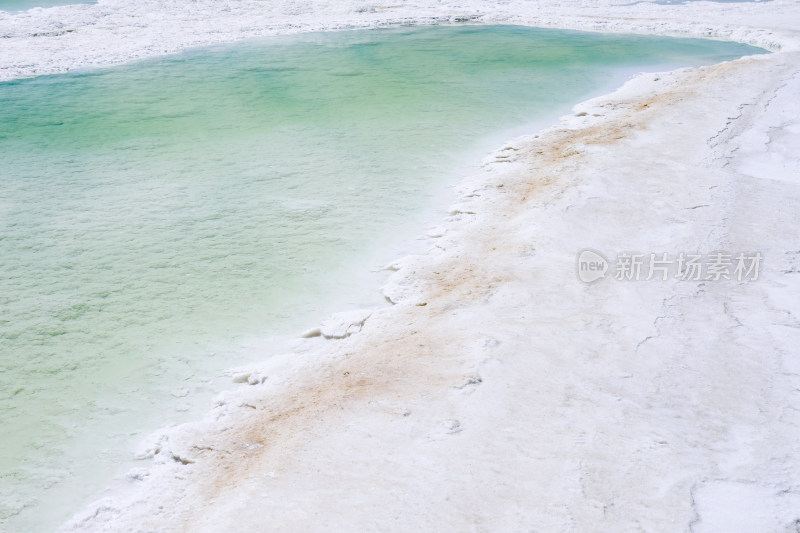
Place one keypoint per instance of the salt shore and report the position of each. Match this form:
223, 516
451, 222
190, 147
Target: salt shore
500, 393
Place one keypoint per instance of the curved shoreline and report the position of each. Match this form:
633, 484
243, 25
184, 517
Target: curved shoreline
445, 362
463, 398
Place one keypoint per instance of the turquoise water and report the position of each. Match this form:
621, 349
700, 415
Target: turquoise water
24, 5
157, 216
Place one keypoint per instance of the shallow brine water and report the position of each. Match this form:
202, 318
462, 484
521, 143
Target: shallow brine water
14, 6
156, 216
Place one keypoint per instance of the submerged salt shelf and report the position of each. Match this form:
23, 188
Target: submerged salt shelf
155, 216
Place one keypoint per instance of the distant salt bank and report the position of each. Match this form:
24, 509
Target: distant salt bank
80, 36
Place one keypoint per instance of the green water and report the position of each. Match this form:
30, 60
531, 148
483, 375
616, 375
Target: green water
23, 5
155, 217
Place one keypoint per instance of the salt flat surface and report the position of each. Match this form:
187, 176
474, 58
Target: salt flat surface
500, 393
